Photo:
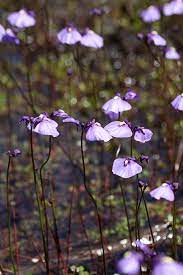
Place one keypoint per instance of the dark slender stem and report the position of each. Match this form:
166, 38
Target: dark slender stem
84, 230
38, 200
137, 226
15, 242
69, 226
44, 200
137, 213
148, 217
20, 90
126, 213
94, 202
131, 146
56, 234
174, 231
9, 216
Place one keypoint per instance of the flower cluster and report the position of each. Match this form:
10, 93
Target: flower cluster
70, 35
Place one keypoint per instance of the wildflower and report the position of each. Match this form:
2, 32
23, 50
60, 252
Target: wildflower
142, 135
118, 129
177, 103
144, 158
14, 153
115, 106
164, 191
96, 11
7, 35
69, 71
167, 266
171, 53
130, 263
173, 7
22, 19
65, 117
69, 35
60, 113
126, 167
156, 39
42, 125
91, 39
95, 132
130, 95
151, 14
71, 120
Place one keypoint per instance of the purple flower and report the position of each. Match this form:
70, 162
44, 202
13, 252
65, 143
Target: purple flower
60, 113
118, 129
8, 36
164, 191
97, 11
171, 53
177, 103
115, 106
143, 135
151, 14
167, 266
144, 158
95, 132
173, 7
156, 39
91, 39
21, 19
14, 153
126, 167
144, 248
130, 95
44, 126
130, 263
65, 117
71, 120
69, 35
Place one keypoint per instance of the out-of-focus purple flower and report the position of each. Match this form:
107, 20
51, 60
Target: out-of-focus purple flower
177, 103
60, 113
44, 126
8, 36
69, 71
91, 39
69, 35
118, 129
145, 248
95, 132
167, 266
156, 39
130, 263
171, 53
151, 14
65, 117
115, 106
96, 11
164, 191
22, 19
14, 153
131, 95
142, 135
140, 36
144, 158
71, 120
173, 7
28, 120
126, 167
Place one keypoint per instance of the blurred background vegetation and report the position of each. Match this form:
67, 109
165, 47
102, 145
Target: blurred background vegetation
41, 75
